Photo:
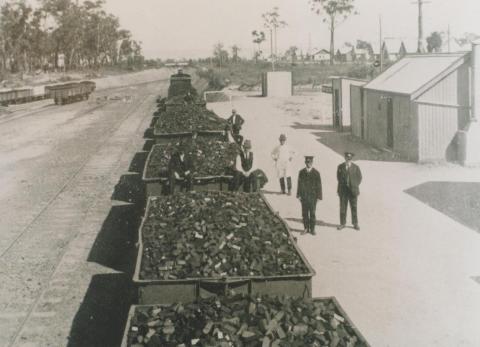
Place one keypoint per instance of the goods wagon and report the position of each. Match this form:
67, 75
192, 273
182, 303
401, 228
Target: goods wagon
211, 156
69, 92
18, 96
221, 242
246, 321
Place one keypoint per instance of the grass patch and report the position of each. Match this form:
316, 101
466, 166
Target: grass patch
247, 74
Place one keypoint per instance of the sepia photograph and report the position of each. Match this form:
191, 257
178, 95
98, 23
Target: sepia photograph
239, 173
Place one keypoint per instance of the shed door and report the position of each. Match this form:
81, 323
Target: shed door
356, 110
389, 123
336, 114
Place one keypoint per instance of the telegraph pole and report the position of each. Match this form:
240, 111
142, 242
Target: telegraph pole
420, 3
381, 42
309, 43
448, 38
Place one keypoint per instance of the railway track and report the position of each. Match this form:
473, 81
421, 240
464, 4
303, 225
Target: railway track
62, 214
16, 114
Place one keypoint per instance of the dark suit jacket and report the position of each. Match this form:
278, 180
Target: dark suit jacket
177, 165
238, 121
309, 185
348, 180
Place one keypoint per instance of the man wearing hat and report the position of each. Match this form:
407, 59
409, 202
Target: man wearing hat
235, 121
349, 178
243, 167
180, 167
309, 190
282, 155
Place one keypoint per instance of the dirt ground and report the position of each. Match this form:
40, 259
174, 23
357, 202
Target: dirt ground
410, 276
71, 203
68, 214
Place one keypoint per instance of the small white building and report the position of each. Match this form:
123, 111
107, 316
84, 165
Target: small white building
361, 54
321, 56
341, 108
416, 107
345, 54
277, 84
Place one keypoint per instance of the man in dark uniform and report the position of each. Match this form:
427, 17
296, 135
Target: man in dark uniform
309, 190
235, 121
349, 178
180, 167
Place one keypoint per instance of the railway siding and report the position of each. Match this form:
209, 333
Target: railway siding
50, 254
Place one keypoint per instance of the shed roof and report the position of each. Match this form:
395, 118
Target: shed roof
414, 72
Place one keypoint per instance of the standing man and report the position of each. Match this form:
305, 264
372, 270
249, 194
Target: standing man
309, 190
235, 122
246, 158
349, 178
180, 167
282, 155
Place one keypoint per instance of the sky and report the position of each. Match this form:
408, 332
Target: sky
190, 28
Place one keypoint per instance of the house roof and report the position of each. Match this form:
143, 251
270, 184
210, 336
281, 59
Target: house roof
392, 45
414, 73
455, 46
345, 49
376, 47
411, 44
361, 51
321, 51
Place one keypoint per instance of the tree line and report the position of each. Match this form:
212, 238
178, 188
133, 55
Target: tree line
63, 34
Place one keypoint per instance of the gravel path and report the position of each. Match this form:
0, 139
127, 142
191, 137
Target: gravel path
410, 277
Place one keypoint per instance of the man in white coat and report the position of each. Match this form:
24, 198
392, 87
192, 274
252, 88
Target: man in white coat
283, 155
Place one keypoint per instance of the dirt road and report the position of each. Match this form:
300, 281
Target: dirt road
58, 168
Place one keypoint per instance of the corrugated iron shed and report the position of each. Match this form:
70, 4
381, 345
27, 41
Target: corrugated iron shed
414, 73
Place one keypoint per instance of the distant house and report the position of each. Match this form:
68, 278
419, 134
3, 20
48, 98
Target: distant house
409, 46
361, 54
321, 56
376, 52
394, 49
455, 46
416, 107
177, 64
345, 54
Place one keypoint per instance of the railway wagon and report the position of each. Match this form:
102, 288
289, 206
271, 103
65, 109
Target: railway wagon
166, 291
331, 309
18, 96
70, 92
155, 172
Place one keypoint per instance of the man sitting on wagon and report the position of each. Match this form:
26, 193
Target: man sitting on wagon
242, 168
180, 169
